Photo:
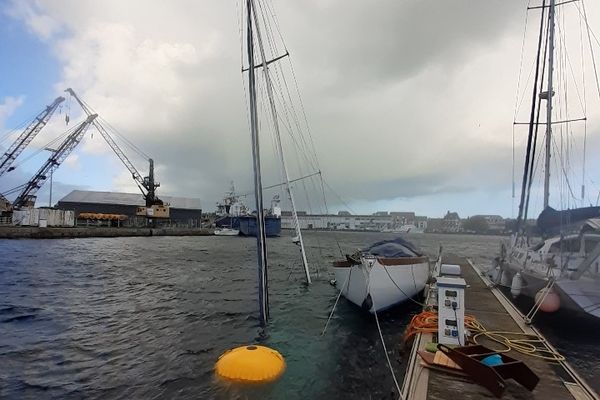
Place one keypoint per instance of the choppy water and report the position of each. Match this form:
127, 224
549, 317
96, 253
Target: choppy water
148, 317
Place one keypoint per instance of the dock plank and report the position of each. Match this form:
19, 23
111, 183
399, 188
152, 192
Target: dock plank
489, 311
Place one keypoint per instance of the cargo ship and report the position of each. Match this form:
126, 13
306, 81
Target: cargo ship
233, 213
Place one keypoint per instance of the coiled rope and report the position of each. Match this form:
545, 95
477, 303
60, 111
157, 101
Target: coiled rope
524, 343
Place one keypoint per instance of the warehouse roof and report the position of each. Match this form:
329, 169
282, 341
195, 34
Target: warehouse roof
128, 199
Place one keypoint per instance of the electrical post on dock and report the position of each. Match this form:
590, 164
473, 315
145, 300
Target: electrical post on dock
451, 310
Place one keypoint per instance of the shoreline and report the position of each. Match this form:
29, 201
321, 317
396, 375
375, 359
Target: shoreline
11, 232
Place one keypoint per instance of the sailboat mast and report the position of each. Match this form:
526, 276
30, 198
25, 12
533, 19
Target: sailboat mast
269, 86
550, 93
261, 240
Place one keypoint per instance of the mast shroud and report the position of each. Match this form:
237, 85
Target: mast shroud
269, 86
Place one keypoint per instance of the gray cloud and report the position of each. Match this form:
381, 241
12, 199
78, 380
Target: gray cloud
404, 98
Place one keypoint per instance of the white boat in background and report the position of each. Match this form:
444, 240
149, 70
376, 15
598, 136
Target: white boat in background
226, 232
385, 274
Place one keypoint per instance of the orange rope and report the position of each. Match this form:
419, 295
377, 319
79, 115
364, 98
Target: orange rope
427, 322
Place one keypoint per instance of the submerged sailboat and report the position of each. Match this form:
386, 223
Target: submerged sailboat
563, 270
259, 65
383, 275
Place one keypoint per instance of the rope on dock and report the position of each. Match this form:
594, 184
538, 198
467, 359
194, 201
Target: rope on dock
524, 343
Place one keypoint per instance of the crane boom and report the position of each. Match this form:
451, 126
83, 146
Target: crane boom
27, 136
27, 196
147, 184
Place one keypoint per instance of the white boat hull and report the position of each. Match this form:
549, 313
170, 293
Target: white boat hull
226, 232
581, 296
376, 284
558, 259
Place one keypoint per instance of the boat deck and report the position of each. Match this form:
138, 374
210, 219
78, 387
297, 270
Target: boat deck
496, 313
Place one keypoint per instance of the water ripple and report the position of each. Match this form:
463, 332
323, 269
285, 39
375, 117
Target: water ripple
147, 318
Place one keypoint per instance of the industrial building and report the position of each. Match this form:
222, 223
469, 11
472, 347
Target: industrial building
183, 211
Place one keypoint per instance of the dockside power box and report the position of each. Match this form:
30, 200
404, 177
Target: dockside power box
451, 310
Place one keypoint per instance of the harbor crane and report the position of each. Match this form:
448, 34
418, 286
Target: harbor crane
27, 196
27, 136
147, 185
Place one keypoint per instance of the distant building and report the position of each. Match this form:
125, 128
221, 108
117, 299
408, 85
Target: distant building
289, 213
421, 222
381, 221
451, 222
403, 218
338, 222
183, 210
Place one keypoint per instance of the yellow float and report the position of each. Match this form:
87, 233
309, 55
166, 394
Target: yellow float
250, 364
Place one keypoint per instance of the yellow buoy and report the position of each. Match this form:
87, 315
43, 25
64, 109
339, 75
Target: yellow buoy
250, 364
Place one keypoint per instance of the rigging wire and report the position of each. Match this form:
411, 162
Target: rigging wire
584, 14
289, 117
517, 103
521, 65
589, 32
560, 164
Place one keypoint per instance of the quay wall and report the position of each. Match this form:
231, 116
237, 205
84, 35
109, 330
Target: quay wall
18, 232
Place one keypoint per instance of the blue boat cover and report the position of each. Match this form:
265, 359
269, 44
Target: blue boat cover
393, 248
550, 218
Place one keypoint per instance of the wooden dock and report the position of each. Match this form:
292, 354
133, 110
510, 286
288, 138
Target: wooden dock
557, 379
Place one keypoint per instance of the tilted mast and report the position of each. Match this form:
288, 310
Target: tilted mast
269, 86
261, 239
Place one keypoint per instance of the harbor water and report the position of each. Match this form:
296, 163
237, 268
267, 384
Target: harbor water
147, 317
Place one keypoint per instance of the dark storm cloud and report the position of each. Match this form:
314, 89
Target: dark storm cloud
405, 98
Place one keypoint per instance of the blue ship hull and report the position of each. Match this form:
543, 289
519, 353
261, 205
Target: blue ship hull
247, 225
228, 222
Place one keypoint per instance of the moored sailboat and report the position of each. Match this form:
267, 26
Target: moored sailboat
383, 275
562, 271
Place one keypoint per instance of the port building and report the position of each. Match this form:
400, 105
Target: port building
379, 221
183, 210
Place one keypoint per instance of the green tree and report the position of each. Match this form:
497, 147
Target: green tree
476, 224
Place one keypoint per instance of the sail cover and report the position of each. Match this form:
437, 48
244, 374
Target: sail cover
393, 248
550, 218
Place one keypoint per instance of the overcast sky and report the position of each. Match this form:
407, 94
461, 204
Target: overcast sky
410, 103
